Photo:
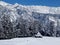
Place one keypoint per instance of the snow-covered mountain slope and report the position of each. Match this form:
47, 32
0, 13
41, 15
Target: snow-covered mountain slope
27, 11
40, 9
20, 21
32, 41
29, 20
45, 9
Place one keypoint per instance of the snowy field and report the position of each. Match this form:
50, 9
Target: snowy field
31, 41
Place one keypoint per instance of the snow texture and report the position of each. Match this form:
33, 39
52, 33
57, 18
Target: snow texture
32, 41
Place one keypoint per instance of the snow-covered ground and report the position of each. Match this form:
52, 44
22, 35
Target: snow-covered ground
31, 41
